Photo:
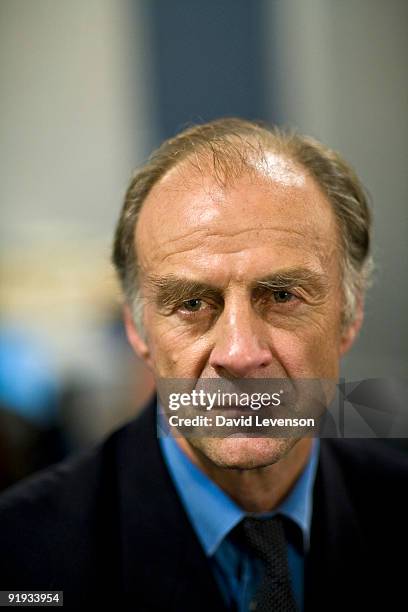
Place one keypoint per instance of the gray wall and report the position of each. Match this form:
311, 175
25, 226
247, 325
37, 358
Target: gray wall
75, 113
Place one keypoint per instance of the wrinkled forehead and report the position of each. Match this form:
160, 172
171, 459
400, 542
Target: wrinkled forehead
197, 205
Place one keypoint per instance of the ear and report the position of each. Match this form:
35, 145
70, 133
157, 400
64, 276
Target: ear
136, 340
349, 335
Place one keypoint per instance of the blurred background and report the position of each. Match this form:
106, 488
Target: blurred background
87, 90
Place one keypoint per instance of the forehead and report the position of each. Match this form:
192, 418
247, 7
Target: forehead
272, 215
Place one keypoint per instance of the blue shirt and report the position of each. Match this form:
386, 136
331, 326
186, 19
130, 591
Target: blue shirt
214, 514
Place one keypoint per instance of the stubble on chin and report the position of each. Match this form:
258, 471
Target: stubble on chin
240, 453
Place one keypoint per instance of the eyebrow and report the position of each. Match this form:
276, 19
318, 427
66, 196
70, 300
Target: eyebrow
295, 277
172, 289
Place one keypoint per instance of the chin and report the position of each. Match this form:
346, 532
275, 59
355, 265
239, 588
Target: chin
243, 453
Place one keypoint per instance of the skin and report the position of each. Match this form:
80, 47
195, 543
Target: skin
230, 236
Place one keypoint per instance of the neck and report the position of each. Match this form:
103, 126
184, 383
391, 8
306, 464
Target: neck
257, 489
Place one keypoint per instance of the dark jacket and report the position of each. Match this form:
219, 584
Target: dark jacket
107, 527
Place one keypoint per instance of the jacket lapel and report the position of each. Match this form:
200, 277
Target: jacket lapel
334, 564
163, 564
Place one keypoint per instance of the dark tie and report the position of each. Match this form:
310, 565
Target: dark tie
266, 539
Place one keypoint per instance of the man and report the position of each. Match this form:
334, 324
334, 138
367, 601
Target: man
244, 253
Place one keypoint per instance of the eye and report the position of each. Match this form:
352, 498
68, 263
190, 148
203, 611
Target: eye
192, 305
282, 296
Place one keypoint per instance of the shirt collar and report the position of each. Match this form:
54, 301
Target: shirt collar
214, 514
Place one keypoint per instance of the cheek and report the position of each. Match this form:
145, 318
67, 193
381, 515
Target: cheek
174, 352
310, 351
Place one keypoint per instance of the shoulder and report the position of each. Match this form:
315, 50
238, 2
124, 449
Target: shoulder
61, 485
71, 485
372, 474
56, 525
67, 487
371, 459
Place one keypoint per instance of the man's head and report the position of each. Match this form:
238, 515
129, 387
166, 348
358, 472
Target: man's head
243, 252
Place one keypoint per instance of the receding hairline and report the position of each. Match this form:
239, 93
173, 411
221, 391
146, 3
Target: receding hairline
232, 157
198, 165
243, 162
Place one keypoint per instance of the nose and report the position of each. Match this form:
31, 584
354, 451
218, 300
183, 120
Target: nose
240, 347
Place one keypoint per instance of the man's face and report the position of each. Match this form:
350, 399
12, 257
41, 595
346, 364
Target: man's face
195, 237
